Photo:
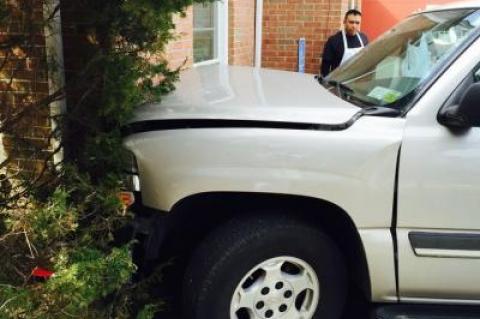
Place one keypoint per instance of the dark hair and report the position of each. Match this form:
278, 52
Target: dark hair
354, 12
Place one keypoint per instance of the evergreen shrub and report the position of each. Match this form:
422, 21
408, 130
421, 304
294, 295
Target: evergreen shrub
64, 216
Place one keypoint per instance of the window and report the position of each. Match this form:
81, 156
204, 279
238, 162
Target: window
210, 32
456, 97
205, 24
476, 76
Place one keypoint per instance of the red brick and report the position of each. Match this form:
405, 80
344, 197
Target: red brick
24, 83
241, 42
181, 49
288, 20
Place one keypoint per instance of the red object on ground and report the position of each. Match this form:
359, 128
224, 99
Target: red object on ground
42, 273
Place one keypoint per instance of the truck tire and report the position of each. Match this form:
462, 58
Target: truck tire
265, 267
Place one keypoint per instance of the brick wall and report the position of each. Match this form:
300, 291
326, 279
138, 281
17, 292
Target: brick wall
23, 88
241, 38
180, 50
285, 21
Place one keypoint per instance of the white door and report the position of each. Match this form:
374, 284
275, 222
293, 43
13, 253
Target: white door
438, 225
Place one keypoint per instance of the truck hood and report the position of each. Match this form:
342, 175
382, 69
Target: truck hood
220, 92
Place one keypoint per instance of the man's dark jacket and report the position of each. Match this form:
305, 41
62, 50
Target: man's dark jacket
333, 50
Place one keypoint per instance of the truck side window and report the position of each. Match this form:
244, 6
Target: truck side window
476, 75
472, 77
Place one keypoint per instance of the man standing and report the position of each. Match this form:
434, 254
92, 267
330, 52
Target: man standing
344, 44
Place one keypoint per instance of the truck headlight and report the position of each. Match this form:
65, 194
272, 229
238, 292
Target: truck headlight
131, 165
132, 180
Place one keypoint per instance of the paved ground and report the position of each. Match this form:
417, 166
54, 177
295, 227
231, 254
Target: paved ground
352, 312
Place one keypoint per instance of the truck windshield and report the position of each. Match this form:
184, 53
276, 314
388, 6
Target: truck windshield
391, 69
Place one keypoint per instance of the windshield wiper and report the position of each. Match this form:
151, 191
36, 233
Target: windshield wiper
341, 88
381, 111
347, 93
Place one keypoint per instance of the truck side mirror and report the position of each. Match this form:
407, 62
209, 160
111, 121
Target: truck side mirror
463, 115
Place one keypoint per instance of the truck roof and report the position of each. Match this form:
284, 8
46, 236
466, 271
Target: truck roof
474, 4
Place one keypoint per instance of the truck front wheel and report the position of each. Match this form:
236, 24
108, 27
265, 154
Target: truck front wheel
265, 267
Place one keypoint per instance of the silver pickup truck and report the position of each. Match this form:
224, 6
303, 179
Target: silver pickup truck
283, 192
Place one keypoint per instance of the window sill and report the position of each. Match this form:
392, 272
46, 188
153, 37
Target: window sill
208, 62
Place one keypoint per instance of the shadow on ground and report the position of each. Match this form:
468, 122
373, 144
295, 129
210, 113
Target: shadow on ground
356, 308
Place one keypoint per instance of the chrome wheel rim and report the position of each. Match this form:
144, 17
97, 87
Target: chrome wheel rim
281, 287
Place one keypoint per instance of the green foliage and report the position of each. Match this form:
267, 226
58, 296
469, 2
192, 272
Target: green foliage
81, 278
87, 275
72, 239
148, 312
123, 69
15, 302
67, 222
53, 220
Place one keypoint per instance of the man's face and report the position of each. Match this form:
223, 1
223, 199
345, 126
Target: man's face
352, 24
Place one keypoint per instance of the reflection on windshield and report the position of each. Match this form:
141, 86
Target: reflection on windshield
395, 65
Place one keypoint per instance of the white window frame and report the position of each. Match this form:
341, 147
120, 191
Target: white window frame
220, 36
56, 73
258, 33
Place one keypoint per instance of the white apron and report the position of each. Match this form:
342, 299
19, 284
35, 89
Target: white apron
349, 52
